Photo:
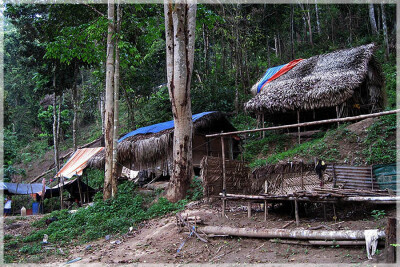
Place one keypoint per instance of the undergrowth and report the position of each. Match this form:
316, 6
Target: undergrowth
114, 216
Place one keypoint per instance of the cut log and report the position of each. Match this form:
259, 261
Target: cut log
287, 233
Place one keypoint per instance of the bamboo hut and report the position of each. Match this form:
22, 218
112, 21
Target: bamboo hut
339, 84
150, 148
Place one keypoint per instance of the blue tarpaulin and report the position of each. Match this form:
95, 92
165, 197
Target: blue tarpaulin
21, 189
268, 74
156, 128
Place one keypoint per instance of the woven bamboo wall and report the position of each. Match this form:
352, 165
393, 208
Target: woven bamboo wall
237, 177
286, 178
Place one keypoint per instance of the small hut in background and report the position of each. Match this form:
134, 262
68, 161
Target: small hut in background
339, 84
150, 148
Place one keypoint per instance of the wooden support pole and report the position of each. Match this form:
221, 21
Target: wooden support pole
223, 175
230, 148
223, 206
301, 170
337, 115
334, 176
303, 124
223, 166
390, 239
263, 125
298, 128
61, 187
248, 209
79, 188
296, 212
265, 210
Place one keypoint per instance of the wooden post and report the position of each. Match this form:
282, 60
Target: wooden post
334, 175
61, 187
248, 209
87, 188
79, 188
301, 170
223, 176
298, 128
337, 115
207, 146
230, 148
265, 210
390, 239
296, 212
263, 125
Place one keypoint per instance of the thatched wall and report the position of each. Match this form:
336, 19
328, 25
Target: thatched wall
154, 151
237, 177
324, 81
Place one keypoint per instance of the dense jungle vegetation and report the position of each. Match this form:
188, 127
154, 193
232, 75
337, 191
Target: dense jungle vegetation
234, 46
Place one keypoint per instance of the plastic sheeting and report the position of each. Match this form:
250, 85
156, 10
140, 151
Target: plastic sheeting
386, 175
77, 162
155, 128
21, 189
274, 72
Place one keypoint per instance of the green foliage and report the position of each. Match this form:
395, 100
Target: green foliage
8, 237
254, 148
378, 214
104, 217
96, 178
195, 191
31, 249
379, 148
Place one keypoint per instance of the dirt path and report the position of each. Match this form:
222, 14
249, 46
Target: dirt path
158, 240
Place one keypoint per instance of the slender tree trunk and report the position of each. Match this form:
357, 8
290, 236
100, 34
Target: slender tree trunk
109, 106
237, 63
385, 33
372, 19
75, 106
116, 167
309, 26
55, 136
292, 32
317, 17
180, 25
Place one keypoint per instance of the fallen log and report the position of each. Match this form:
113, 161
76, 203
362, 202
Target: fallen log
320, 242
288, 233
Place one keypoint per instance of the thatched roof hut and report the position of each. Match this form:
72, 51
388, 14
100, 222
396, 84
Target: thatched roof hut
346, 82
150, 147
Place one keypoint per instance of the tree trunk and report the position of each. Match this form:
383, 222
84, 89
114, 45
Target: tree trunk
292, 33
237, 63
287, 233
75, 106
109, 107
385, 33
115, 170
317, 17
180, 25
55, 136
372, 19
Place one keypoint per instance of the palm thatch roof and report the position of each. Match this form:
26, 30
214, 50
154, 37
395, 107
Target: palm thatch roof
323, 81
154, 150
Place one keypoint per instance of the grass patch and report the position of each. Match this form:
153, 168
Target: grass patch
113, 216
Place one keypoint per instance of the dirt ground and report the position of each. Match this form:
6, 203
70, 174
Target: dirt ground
157, 241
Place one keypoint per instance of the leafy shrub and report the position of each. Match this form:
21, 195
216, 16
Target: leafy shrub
104, 217
31, 249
